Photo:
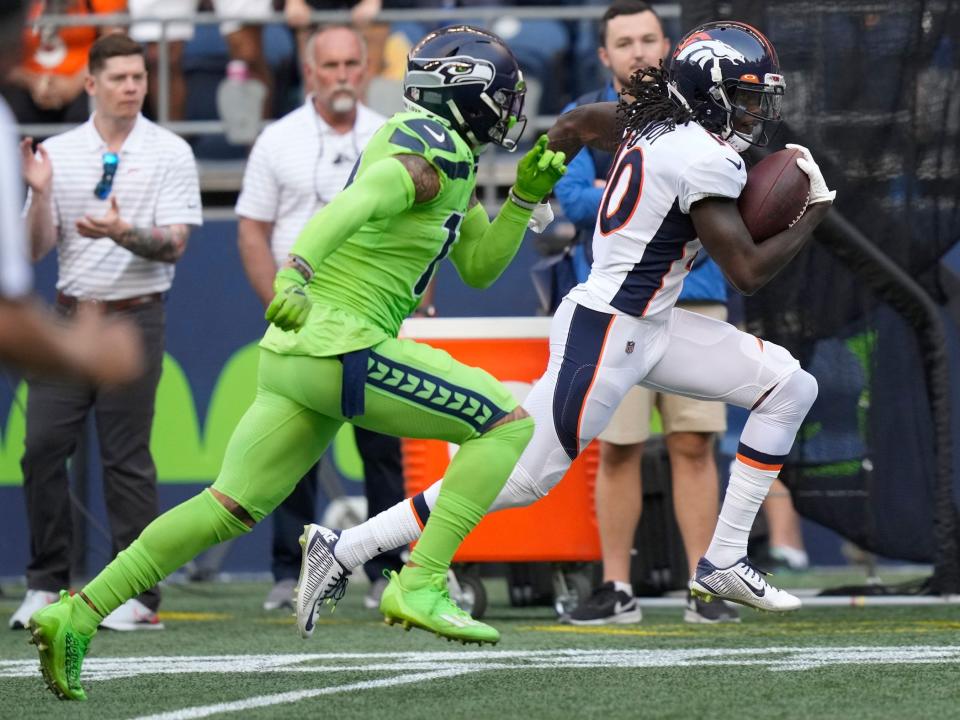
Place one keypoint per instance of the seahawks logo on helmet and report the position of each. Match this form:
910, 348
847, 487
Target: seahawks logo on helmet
703, 51
438, 72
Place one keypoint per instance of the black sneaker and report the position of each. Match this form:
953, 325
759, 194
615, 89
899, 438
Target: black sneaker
709, 613
607, 606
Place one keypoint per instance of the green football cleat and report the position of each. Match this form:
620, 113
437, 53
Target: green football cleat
61, 648
430, 608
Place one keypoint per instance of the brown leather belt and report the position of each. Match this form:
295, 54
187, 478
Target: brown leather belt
69, 302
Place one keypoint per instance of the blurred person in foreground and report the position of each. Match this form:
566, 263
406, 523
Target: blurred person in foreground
116, 197
331, 354
632, 39
297, 165
102, 350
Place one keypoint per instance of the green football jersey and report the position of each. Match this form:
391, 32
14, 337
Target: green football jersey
365, 288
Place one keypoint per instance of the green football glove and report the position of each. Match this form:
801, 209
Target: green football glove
538, 171
290, 306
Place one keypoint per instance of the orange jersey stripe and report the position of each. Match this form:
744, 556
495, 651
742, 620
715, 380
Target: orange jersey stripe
758, 465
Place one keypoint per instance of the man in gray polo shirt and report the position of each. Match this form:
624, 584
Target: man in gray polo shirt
116, 197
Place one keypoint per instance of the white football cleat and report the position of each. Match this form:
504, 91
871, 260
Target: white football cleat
322, 577
34, 600
132, 615
742, 583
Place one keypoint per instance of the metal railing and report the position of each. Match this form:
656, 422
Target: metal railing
492, 175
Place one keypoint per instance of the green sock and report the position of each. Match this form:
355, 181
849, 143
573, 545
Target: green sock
472, 482
179, 535
83, 617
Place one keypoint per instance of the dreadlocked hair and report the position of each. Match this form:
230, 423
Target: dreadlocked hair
652, 108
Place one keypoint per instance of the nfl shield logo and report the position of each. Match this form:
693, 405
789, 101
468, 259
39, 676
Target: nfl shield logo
630, 346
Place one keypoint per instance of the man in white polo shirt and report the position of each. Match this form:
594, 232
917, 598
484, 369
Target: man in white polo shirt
296, 166
116, 197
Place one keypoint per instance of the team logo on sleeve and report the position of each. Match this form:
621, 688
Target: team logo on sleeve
702, 51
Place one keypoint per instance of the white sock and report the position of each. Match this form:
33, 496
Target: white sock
393, 528
623, 587
745, 494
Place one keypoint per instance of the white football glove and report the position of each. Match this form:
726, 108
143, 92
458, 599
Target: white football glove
818, 186
541, 218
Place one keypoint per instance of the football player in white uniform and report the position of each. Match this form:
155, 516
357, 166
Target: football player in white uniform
673, 185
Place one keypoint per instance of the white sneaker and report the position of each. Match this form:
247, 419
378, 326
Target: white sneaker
281, 595
741, 583
371, 601
34, 600
322, 577
132, 615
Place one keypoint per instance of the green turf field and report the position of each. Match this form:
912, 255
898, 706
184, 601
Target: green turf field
221, 656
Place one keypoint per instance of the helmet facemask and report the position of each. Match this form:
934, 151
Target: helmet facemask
508, 104
753, 109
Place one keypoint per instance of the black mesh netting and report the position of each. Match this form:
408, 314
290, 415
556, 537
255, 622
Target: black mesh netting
874, 90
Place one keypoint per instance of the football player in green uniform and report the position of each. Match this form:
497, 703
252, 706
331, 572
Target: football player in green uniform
332, 355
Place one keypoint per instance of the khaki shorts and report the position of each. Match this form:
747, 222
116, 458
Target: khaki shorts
637, 417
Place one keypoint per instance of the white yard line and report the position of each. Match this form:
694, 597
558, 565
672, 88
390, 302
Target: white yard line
260, 701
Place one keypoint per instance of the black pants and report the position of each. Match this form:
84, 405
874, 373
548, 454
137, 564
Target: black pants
383, 486
56, 415
25, 110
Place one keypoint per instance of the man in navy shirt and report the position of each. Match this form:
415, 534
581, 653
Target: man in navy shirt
631, 38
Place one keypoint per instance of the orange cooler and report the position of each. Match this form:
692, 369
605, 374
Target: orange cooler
562, 526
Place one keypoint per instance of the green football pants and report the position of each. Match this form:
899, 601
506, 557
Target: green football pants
412, 390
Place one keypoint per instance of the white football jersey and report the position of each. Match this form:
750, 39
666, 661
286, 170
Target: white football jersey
644, 243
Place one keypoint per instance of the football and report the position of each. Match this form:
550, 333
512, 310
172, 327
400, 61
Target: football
775, 196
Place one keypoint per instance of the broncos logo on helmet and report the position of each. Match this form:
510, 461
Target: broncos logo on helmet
706, 50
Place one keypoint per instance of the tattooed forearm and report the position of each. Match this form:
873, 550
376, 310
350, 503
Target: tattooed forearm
426, 182
163, 244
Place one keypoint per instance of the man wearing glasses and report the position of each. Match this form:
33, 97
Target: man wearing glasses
296, 167
116, 196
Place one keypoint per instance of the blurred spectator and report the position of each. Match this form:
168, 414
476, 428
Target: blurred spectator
296, 166
787, 550
48, 86
116, 196
362, 15
95, 348
631, 38
244, 41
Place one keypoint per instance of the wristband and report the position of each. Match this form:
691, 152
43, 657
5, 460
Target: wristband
301, 266
520, 202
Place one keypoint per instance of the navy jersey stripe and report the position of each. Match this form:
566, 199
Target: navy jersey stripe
432, 392
407, 141
760, 457
581, 355
433, 134
453, 170
421, 508
646, 277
